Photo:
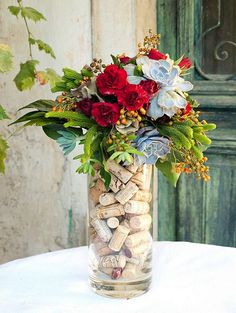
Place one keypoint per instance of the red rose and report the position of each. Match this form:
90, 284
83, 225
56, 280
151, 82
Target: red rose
133, 97
149, 86
185, 63
106, 113
124, 60
85, 106
112, 80
156, 55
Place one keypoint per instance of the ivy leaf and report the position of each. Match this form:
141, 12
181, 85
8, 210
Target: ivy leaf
3, 154
42, 46
26, 77
167, 170
5, 58
40, 105
3, 114
14, 10
67, 141
32, 14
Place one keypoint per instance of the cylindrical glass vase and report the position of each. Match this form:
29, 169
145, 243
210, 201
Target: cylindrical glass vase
120, 227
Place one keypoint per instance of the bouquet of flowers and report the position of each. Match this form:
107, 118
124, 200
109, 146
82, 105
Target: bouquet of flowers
135, 110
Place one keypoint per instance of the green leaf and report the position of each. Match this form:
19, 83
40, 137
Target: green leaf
3, 114
3, 154
52, 130
42, 46
115, 60
32, 14
52, 76
5, 58
89, 139
14, 10
83, 120
26, 77
106, 176
28, 117
40, 105
167, 170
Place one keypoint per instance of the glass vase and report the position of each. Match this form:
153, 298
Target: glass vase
119, 228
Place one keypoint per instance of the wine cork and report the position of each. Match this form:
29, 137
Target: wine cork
116, 273
118, 238
103, 231
142, 195
106, 270
132, 168
136, 207
97, 190
105, 251
119, 171
129, 271
137, 238
140, 222
115, 209
143, 179
136, 251
115, 184
112, 261
125, 223
113, 222
107, 198
127, 193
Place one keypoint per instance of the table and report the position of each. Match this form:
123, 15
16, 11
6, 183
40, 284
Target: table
187, 278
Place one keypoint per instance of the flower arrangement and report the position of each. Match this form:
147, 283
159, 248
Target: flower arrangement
136, 109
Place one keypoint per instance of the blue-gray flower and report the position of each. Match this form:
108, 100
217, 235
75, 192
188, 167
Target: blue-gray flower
152, 145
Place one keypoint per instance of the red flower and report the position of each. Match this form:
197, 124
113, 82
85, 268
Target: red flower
112, 80
149, 86
133, 97
185, 63
156, 55
85, 106
124, 60
187, 109
106, 113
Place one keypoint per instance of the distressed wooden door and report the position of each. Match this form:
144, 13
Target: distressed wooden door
204, 30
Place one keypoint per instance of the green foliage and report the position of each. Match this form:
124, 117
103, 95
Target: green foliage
5, 58
40, 105
52, 77
67, 140
29, 116
26, 77
202, 139
106, 176
3, 114
82, 120
167, 169
197, 152
177, 137
3, 154
42, 46
71, 74
14, 10
88, 140
32, 14
115, 60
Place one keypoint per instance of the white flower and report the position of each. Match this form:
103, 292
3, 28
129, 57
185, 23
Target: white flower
170, 97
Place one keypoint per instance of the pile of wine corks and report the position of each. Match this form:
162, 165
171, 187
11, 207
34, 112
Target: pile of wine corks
120, 220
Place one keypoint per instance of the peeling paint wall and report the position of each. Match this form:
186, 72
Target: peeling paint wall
43, 201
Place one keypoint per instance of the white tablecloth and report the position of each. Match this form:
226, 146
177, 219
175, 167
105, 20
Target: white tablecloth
187, 278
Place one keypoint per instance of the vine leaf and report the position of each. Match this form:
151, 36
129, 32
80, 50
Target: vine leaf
52, 76
26, 77
5, 58
14, 10
3, 154
3, 114
42, 46
32, 14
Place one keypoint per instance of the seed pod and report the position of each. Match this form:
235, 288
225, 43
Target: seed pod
203, 139
186, 130
198, 154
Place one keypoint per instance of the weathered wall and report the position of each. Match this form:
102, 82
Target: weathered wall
42, 200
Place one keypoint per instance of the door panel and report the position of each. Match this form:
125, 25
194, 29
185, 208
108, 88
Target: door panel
204, 30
